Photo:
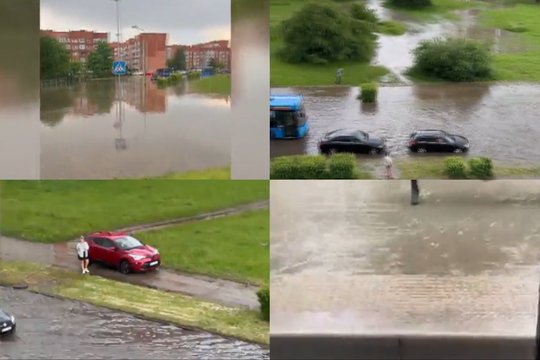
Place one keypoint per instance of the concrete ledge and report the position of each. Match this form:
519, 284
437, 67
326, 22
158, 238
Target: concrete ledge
390, 347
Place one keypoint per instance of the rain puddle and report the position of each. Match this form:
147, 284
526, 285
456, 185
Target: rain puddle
464, 260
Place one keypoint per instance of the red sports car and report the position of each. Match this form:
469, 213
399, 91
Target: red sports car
122, 251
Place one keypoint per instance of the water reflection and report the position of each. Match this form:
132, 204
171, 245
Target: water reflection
157, 130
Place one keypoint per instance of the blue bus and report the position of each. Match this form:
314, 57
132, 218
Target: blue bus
288, 119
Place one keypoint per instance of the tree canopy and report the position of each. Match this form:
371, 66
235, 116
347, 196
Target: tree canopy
54, 58
321, 33
178, 61
100, 61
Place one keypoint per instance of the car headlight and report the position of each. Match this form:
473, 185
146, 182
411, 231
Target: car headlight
137, 257
156, 252
13, 319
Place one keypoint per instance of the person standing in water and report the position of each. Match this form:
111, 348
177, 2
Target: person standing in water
82, 254
388, 163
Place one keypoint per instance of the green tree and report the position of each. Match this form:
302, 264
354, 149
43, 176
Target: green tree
54, 58
321, 33
178, 61
100, 61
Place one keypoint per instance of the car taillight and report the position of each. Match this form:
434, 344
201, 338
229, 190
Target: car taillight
412, 143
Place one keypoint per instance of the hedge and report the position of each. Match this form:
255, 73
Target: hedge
264, 301
337, 166
454, 167
481, 168
368, 92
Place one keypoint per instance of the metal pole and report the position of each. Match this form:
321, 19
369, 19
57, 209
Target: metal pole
415, 192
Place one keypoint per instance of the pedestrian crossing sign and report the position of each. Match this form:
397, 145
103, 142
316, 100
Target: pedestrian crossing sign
119, 68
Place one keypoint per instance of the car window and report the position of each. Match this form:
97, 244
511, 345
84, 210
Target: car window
343, 139
108, 244
98, 241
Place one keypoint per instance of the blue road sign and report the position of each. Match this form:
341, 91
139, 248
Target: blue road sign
119, 68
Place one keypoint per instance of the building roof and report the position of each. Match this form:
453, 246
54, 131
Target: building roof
290, 101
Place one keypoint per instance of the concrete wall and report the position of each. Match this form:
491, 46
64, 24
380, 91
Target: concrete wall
401, 347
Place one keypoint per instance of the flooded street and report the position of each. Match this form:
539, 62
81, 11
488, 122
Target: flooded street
357, 258
61, 329
497, 119
86, 134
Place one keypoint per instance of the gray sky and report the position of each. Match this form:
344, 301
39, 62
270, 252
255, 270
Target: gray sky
186, 21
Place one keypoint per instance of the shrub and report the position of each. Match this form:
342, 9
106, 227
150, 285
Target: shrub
454, 167
299, 167
342, 166
392, 28
362, 12
194, 75
453, 59
162, 82
413, 4
264, 301
320, 33
481, 168
368, 92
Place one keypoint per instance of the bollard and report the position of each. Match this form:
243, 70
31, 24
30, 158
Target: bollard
415, 192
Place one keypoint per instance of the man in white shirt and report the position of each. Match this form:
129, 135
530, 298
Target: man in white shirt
82, 254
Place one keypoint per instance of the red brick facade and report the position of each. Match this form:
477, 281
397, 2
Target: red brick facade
80, 43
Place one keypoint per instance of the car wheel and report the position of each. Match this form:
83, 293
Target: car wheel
124, 267
373, 152
421, 150
332, 151
458, 151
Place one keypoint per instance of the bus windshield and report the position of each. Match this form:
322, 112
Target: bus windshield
282, 118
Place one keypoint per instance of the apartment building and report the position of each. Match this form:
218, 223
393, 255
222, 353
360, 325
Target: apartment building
80, 43
198, 56
146, 52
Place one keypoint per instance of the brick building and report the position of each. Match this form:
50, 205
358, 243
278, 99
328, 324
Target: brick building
145, 52
80, 43
198, 56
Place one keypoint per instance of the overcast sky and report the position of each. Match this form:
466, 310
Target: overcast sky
186, 21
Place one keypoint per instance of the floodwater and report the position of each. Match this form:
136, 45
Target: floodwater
498, 119
87, 132
60, 329
356, 258
225, 292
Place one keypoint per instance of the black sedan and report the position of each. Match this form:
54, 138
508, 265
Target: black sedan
350, 141
7, 323
437, 141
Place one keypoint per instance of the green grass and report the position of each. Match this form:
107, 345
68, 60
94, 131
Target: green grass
286, 74
433, 168
234, 247
522, 19
217, 84
223, 173
56, 211
392, 28
440, 9
153, 304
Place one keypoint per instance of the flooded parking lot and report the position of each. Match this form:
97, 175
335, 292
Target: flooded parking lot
357, 258
498, 119
87, 132
60, 329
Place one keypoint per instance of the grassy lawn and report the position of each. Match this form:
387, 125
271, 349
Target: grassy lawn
153, 304
217, 84
440, 9
208, 174
522, 19
392, 28
433, 168
285, 74
55, 211
234, 247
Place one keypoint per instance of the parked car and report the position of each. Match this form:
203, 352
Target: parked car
7, 323
432, 140
122, 251
350, 141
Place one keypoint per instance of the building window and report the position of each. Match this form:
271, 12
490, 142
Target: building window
82, 46
81, 41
